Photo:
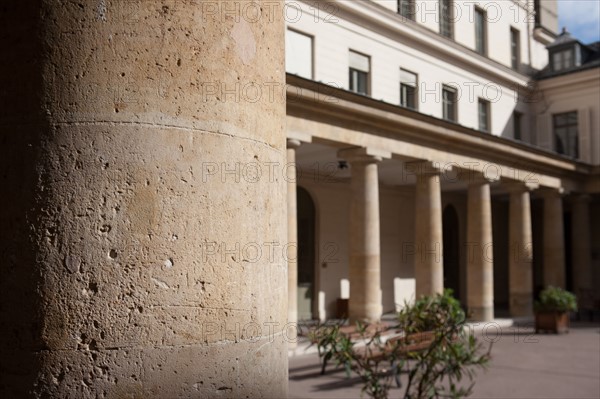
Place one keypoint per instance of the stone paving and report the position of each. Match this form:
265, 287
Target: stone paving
523, 365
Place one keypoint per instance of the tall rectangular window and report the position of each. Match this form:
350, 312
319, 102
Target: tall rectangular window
408, 89
484, 115
515, 48
449, 103
446, 15
299, 54
480, 31
517, 125
537, 12
359, 73
406, 8
566, 134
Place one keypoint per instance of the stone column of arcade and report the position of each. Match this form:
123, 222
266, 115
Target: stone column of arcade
480, 262
141, 244
429, 264
554, 239
520, 272
365, 261
292, 248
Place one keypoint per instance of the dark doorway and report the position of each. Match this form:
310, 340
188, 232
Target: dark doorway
306, 254
568, 236
451, 250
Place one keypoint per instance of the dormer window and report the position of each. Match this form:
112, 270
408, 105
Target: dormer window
565, 52
562, 59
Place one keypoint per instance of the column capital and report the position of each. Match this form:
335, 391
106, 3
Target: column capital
426, 167
473, 177
299, 136
293, 143
363, 154
520, 187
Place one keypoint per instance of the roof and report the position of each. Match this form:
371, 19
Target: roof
590, 56
562, 39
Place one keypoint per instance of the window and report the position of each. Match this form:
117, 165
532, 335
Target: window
480, 32
537, 12
406, 8
408, 89
449, 103
446, 28
517, 121
299, 54
484, 115
359, 73
515, 48
562, 59
566, 134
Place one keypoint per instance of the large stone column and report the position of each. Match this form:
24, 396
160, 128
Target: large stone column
520, 269
292, 215
429, 264
554, 239
365, 263
582, 251
142, 247
480, 262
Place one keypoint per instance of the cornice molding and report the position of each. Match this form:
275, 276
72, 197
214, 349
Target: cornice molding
309, 99
585, 77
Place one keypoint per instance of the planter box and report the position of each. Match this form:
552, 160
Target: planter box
556, 322
342, 308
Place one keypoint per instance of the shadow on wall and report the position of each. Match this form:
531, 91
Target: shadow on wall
23, 200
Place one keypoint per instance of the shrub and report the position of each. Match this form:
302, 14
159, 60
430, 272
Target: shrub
435, 369
554, 299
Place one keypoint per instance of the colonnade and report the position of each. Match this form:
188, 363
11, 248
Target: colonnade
364, 250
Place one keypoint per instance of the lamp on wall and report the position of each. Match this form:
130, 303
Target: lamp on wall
342, 165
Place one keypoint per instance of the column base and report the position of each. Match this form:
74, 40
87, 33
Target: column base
481, 313
521, 305
368, 313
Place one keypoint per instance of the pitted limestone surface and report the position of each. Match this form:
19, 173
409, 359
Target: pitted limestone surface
147, 258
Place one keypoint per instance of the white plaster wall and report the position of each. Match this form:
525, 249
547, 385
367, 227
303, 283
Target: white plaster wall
539, 55
575, 92
332, 42
332, 201
397, 228
331, 263
501, 16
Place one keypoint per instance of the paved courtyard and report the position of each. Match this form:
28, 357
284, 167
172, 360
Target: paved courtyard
523, 365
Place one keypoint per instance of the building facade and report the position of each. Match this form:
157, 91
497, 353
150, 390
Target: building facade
439, 144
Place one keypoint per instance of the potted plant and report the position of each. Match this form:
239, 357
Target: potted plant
552, 310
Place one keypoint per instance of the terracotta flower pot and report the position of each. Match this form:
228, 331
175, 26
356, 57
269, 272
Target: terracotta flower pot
557, 322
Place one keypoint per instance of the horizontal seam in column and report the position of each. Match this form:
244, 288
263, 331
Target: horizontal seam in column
147, 124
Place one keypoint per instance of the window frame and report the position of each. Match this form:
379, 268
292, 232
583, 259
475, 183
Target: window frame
488, 115
563, 64
415, 90
406, 4
537, 13
312, 52
446, 19
515, 48
572, 149
454, 114
359, 72
481, 39
518, 125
